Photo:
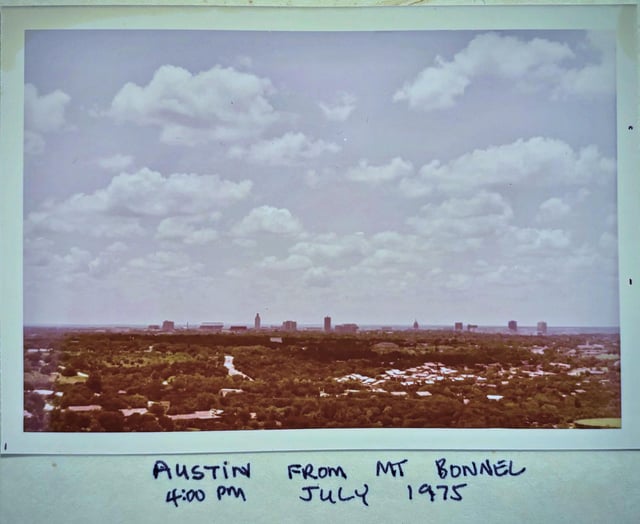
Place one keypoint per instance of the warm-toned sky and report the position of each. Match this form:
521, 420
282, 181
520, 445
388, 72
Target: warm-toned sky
374, 177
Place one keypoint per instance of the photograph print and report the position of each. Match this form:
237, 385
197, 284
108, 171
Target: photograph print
248, 230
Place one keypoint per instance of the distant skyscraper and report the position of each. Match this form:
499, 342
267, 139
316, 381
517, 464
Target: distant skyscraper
256, 322
513, 325
212, 326
290, 325
542, 328
458, 326
168, 325
327, 324
415, 324
347, 328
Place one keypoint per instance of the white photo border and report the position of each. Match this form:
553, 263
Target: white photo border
14, 440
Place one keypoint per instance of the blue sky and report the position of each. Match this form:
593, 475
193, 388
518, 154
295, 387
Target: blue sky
376, 177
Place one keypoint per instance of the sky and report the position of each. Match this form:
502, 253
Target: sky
375, 177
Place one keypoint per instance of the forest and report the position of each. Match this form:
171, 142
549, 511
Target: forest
79, 381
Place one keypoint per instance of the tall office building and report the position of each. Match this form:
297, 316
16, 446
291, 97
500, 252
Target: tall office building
347, 328
256, 322
542, 328
458, 326
327, 324
289, 325
512, 325
168, 325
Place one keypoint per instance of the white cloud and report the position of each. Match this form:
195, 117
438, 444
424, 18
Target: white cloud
396, 168
188, 229
331, 246
552, 209
148, 192
319, 277
530, 64
457, 220
191, 109
458, 281
167, 263
117, 247
268, 219
116, 210
246, 243
34, 143
287, 150
42, 114
538, 160
291, 263
538, 241
37, 251
109, 261
608, 242
65, 268
340, 110
360, 256
415, 187
384, 257
593, 79
115, 163
66, 217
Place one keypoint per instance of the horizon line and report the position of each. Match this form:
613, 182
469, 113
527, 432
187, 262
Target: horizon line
313, 324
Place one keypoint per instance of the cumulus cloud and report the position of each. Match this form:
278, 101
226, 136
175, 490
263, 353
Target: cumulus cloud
483, 215
396, 168
191, 109
360, 255
531, 64
539, 241
608, 242
108, 261
384, 258
115, 163
42, 114
594, 79
188, 229
552, 209
67, 217
65, 267
169, 264
350, 262
318, 277
291, 263
116, 210
538, 160
34, 143
341, 109
37, 250
268, 219
288, 150
332, 246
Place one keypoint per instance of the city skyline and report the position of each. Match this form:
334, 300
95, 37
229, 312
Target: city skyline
539, 326
382, 177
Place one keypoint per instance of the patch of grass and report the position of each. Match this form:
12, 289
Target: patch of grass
70, 380
595, 423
